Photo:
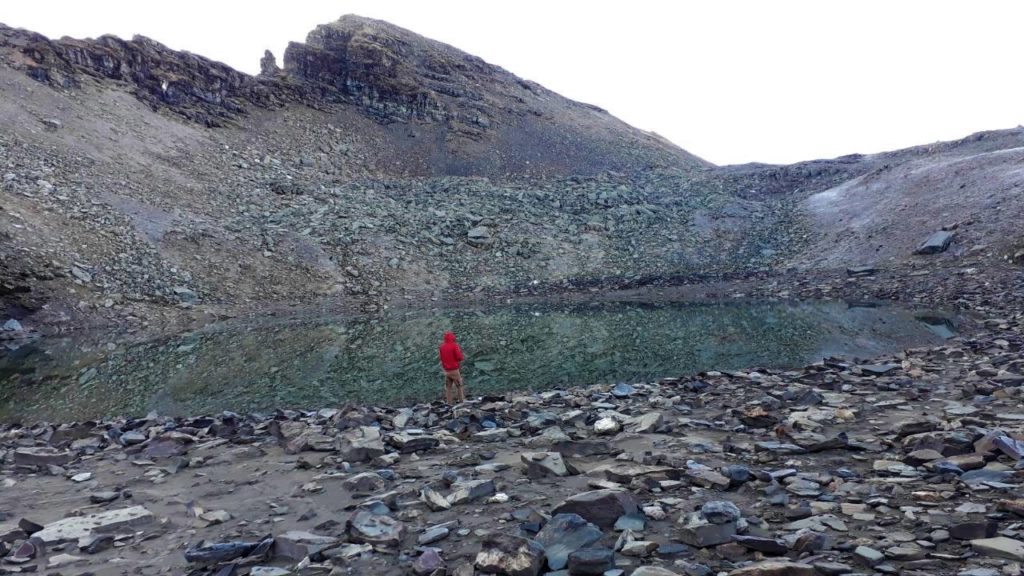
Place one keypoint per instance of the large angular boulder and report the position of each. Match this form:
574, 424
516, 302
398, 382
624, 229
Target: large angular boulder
601, 507
470, 490
296, 544
646, 423
360, 444
564, 534
542, 464
509, 555
698, 531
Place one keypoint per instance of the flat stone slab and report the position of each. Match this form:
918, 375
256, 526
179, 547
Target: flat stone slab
1000, 547
776, 568
878, 369
936, 243
41, 456
71, 529
296, 544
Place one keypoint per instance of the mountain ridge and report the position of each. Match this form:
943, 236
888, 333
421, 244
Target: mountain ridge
124, 199
471, 117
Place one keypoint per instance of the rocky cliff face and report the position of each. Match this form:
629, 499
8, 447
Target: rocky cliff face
195, 87
469, 117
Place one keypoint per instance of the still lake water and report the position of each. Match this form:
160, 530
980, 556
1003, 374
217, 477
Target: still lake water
260, 366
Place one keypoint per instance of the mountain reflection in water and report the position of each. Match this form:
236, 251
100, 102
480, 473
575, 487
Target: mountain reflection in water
311, 364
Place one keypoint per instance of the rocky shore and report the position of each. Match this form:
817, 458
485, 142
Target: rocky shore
906, 464
155, 191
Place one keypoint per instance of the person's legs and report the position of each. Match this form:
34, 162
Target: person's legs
449, 384
460, 389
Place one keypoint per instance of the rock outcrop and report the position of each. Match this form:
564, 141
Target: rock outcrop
383, 71
199, 89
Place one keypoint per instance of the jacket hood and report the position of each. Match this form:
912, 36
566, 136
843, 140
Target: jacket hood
449, 337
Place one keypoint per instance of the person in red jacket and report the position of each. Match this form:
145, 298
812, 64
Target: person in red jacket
451, 356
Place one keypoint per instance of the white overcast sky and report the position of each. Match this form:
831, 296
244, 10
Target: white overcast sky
729, 80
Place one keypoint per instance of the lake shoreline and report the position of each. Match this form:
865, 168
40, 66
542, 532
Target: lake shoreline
905, 463
811, 459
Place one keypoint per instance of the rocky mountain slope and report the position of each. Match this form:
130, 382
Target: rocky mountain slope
378, 167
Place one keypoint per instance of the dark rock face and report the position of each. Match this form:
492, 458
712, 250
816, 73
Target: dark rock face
456, 106
369, 62
394, 75
200, 89
268, 65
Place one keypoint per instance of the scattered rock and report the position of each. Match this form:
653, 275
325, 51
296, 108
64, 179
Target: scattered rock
509, 555
720, 512
365, 483
564, 534
41, 456
361, 444
427, 563
470, 491
78, 527
591, 561
936, 243
868, 556
542, 464
999, 547
600, 507
695, 530
775, 568
365, 527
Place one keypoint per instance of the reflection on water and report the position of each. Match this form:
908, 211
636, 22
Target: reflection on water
312, 364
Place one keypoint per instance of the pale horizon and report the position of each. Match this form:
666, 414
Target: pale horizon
731, 82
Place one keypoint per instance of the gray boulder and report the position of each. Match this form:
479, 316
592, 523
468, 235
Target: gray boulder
360, 444
564, 534
541, 464
407, 442
509, 555
697, 531
936, 243
602, 507
365, 527
720, 512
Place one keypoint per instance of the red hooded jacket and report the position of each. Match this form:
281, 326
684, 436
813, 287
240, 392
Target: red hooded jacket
450, 352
